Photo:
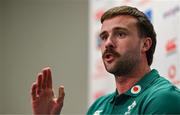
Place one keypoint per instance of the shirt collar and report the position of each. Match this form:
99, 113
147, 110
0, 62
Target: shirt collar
114, 95
140, 86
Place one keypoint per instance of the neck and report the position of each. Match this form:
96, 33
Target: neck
124, 83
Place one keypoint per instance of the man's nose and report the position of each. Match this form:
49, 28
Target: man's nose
110, 43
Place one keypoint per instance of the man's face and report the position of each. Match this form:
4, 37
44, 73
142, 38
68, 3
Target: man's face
120, 45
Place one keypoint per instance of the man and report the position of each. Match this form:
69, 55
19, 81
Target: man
128, 43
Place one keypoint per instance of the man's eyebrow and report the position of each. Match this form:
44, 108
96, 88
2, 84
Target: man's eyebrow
120, 28
114, 29
102, 33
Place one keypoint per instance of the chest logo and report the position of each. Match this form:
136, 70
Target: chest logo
130, 107
97, 112
136, 89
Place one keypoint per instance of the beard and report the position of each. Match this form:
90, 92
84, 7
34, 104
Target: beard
123, 65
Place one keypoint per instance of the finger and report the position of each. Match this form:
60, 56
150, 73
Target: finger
39, 83
44, 78
33, 91
49, 79
60, 99
61, 95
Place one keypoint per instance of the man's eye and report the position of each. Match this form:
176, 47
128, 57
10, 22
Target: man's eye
103, 37
120, 34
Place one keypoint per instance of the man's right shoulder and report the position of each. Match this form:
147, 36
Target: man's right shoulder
100, 102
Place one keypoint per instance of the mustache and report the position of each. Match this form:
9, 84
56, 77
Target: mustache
110, 51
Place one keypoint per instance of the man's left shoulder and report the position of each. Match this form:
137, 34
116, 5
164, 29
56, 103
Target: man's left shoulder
165, 100
166, 91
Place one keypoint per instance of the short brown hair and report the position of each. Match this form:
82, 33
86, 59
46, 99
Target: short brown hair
144, 25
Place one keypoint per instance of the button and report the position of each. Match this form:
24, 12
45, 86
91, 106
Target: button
136, 89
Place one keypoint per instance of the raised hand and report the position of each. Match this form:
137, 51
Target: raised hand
43, 99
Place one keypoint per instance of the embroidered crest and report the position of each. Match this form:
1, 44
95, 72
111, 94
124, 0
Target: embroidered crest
130, 107
136, 89
97, 112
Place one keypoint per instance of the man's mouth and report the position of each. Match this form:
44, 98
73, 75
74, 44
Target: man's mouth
109, 57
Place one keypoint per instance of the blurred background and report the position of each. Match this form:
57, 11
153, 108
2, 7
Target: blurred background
63, 35
40, 33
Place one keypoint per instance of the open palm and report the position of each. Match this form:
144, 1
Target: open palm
43, 99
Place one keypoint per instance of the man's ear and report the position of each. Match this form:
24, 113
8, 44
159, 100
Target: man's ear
146, 44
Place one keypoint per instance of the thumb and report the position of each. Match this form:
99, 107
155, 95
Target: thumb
61, 95
57, 109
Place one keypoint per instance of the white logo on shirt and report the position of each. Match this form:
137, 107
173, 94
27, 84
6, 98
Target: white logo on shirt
130, 107
97, 112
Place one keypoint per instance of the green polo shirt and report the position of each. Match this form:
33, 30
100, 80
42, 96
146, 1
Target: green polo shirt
153, 94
